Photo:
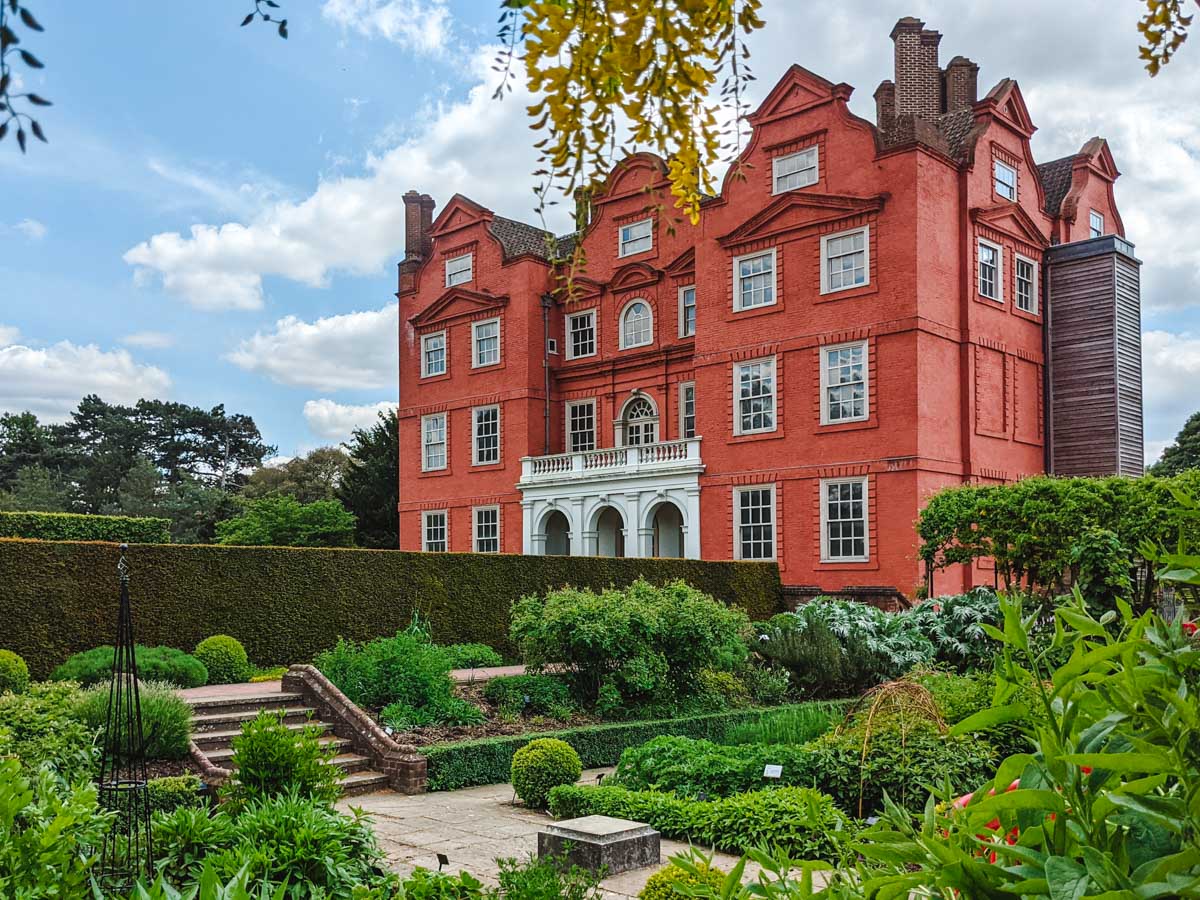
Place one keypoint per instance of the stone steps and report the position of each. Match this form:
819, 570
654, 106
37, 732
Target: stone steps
217, 720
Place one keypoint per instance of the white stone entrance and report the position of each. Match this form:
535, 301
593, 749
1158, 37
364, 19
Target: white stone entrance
637, 501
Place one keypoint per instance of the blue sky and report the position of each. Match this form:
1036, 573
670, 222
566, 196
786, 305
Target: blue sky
217, 217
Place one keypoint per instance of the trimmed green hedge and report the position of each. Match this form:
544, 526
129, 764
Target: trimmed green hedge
41, 526
489, 760
286, 604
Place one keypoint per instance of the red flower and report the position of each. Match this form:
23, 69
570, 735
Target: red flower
1189, 628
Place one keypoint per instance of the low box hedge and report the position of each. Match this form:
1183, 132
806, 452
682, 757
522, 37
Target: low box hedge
41, 526
489, 760
286, 604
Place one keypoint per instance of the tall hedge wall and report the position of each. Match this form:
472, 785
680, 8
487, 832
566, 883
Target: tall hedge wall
287, 603
76, 527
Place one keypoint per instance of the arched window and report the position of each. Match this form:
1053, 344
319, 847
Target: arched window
639, 422
637, 325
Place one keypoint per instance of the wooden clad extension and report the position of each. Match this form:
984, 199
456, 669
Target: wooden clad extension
1095, 369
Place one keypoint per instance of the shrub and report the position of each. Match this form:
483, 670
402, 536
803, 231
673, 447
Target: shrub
173, 792
288, 604
472, 656
42, 526
317, 851
961, 696
405, 669
621, 648
166, 718
14, 674
801, 821
445, 711
955, 626
489, 760
154, 664
225, 658
543, 764
768, 685
547, 878
41, 729
690, 767
661, 885
423, 884
271, 760
541, 695
286, 522
50, 834
722, 689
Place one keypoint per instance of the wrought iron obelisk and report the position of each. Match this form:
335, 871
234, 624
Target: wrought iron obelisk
128, 854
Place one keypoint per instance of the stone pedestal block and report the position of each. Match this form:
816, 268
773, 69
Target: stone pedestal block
601, 842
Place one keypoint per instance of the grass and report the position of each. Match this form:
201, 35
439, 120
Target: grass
793, 725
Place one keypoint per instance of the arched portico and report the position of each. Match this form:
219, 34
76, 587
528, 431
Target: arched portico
664, 530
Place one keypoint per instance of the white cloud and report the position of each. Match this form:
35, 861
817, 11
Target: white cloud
9, 335
336, 421
51, 381
355, 224
150, 340
420, 25
1171, 371
354, 351
31, 228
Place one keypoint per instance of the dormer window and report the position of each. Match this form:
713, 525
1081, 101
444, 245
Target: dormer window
636, 237
459, 269
1006, 180
796, 170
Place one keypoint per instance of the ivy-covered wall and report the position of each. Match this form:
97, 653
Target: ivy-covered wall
286, 604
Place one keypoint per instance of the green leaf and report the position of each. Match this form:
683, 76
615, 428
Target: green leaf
1066, 879
1121, 762
990, 718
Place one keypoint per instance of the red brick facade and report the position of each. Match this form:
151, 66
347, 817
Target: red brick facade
877, 251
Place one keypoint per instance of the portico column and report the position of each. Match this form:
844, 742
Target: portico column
634, 546
527, 526
691, 530
578, 545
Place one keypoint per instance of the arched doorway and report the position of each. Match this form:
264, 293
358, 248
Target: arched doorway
610, 533
558, 534
638, 423
667, 531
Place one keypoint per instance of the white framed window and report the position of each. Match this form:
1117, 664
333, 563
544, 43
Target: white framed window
687, 409
687, 310
433, 354
754, 280
638, 424
844, 388
754, 393
485, 341
487, 529
435, 531
637, 325
581, 334
552, 346
1005, 178
796, 170
460, 269
1027, 287
1095, 224
486, 428
433, 442
991, 271
636, 237
845, 260
581, 426
754, 522
844, 520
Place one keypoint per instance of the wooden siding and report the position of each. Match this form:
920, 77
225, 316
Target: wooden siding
1095, 388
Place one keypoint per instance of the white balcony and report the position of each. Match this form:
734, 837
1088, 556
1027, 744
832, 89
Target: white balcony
642, 500
667, 457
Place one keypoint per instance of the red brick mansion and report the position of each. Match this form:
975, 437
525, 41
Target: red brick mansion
880, 309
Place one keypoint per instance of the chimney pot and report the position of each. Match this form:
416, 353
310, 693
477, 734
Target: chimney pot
418, 220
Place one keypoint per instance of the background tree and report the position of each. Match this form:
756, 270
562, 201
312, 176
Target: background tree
23, 442
285, 522
1184, 454
370, 487
314, 476
36, 489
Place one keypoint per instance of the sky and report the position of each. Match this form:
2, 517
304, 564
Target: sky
217, 217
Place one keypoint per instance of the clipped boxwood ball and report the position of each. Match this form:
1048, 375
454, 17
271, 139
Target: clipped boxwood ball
661, 885
14, 674
225, 658
543, 764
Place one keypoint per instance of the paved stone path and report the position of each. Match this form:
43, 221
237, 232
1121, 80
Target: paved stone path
475, 826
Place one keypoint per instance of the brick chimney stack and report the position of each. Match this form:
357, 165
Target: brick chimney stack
885, 106
918, 76
961, 80
418, 221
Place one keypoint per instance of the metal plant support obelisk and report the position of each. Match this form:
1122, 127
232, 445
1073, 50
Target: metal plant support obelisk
127, 853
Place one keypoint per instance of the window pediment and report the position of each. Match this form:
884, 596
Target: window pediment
456, 303
633, 276
796, 211
1012, 220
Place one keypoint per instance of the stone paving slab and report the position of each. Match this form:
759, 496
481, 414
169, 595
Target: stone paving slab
475, 826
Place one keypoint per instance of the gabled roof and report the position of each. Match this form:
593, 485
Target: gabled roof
518, 239
1055, 177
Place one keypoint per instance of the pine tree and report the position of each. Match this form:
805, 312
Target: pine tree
1184, 453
